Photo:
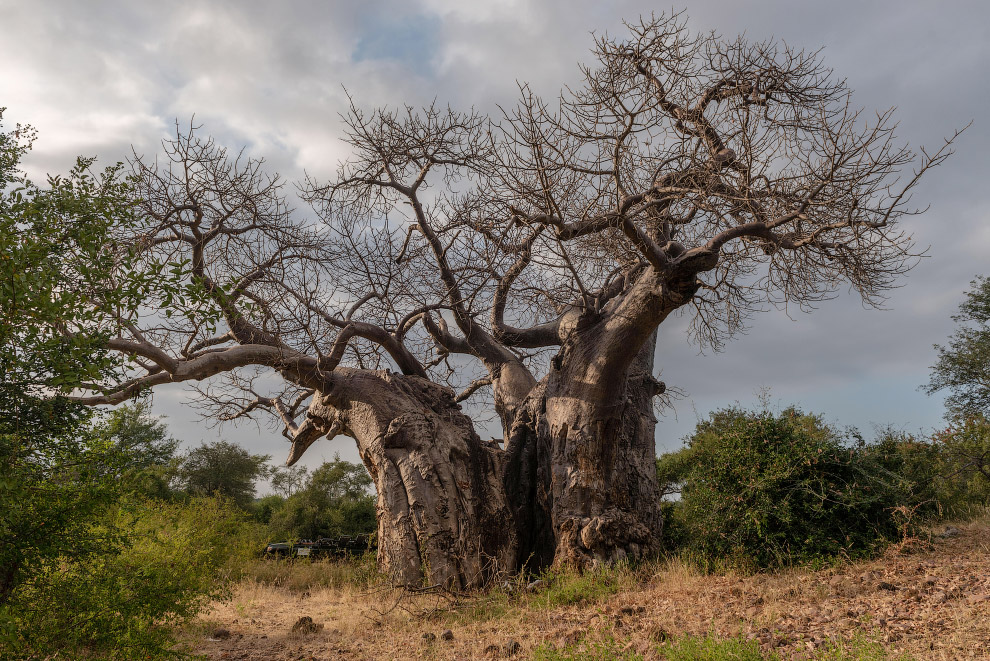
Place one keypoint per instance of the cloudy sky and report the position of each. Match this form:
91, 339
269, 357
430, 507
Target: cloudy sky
96, 78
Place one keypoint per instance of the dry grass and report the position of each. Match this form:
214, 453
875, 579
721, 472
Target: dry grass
928, 600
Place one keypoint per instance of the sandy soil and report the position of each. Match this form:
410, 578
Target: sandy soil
931, 601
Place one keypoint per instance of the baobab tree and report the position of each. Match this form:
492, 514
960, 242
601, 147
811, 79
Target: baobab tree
520, 265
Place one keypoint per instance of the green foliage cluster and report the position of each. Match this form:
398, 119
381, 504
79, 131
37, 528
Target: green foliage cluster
221, 468
333, 500
168, 561
765, 490
56, 483
963, 466
101, 558
963, 366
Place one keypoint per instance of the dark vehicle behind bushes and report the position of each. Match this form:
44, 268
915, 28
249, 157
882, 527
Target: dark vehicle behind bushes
324, 547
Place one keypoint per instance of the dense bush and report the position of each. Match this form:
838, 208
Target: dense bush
964, 463
765, 490
90, 567
170, 559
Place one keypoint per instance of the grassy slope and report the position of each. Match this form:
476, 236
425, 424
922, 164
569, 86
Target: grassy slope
927, 601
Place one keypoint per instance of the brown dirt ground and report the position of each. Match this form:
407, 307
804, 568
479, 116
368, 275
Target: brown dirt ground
929, 600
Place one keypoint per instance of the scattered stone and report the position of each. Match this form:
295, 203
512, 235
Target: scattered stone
306, 625
220, 634
429, 636
447, 635
511, 648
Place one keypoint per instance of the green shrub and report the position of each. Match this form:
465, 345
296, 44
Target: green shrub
909, 467
764, 490
170, 561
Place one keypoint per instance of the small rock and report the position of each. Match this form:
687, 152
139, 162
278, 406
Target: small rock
511, 648
950, 531
306, 625
429, 637
220, 634
628, 610
538, 584
447, 635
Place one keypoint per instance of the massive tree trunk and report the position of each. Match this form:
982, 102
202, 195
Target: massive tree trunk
442, 514
582, 472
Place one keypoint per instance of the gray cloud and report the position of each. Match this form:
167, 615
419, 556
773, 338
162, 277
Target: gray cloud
96, 78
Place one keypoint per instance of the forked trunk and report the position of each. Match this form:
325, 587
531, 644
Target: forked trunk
576, 484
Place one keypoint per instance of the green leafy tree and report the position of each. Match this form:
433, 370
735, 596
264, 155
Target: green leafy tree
221, 468
286, 480
56, 476
963, 366
84, 572
334, 501
132, 430
145, 442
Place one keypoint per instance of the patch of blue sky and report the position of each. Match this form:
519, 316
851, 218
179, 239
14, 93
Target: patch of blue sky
401, 37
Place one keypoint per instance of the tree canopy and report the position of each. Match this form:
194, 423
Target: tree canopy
221, 468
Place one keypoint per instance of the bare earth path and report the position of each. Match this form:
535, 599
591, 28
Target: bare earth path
932, 603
